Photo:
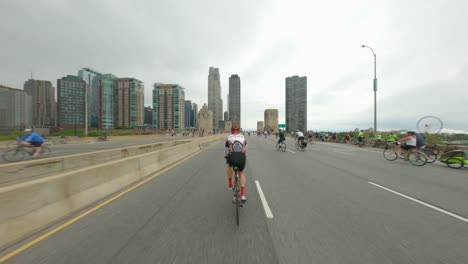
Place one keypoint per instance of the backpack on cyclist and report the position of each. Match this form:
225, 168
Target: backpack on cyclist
420, 140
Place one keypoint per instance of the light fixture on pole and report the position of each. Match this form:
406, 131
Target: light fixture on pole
375, 86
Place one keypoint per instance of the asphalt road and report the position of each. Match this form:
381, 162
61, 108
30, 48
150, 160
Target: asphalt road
77, 148
330, 204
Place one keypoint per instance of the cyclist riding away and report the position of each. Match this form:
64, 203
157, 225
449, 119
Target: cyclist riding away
236, 148
282, 137
300, 137
32, 140
347, 137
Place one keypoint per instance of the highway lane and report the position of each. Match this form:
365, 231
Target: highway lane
324, 211
77, 148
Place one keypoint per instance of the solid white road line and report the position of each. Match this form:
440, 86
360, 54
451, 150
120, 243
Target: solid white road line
423, 203
291, 151
264, 202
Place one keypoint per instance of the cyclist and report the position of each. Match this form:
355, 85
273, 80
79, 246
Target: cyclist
32, 140
347, 137
408, 143
392, 137
236, 148
310, 136
300, 137
281, 136
334, 137
360, 137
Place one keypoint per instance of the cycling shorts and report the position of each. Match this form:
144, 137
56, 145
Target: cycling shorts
36, 144
236, 159
360, 139
407, 147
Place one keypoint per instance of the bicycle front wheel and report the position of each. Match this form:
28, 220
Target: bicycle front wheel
13, 155
417, 158
390, 154
454, 163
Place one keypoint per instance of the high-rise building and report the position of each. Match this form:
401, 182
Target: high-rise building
260, 126
128, 102
205, 120
226, 116
148, 116
195, 115
71, 102
234, 100
168, 106
106, 87
15, 109
188, 113
227, 126
43, 102
296, 103
91, 77
271, 119
215, 103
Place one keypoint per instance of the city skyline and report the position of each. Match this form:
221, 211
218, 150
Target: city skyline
419, 54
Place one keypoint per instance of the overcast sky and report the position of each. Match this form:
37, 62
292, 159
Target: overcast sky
421, 46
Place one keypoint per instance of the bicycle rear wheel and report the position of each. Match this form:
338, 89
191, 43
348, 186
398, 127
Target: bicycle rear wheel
13, 155
283, 147
417, 158
390, 154
431, 156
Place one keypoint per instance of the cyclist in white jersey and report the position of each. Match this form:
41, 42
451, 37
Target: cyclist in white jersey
236, 148
300, 136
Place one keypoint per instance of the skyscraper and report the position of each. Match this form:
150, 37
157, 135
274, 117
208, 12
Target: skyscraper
215, 103
91, 77
234, 100
195, 115
168, 106
106, 89
271, 119
296, 103
188, 113
43, 102
71, 102
128, 102
15, 109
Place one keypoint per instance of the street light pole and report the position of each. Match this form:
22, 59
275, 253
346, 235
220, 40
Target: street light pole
375, 86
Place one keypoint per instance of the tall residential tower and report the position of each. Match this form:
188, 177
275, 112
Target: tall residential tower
235, 100
296, 103
43, 102
215, 103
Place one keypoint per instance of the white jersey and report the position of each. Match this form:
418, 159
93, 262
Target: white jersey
411, 142
299, 134
236, 143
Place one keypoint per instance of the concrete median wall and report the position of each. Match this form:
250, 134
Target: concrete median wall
29, 206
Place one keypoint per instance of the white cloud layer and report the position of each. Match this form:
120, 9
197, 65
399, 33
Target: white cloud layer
422, 60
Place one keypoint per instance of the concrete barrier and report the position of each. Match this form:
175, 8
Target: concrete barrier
28, 207
13, 173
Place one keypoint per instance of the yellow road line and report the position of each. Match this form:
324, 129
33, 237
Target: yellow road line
46, 235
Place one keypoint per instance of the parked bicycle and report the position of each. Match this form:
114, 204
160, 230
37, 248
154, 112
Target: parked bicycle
20, 153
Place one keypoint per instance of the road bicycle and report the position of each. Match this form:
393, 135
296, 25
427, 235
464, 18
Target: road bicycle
237, 197
281, 146
302, 146
21, 152
415, 157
